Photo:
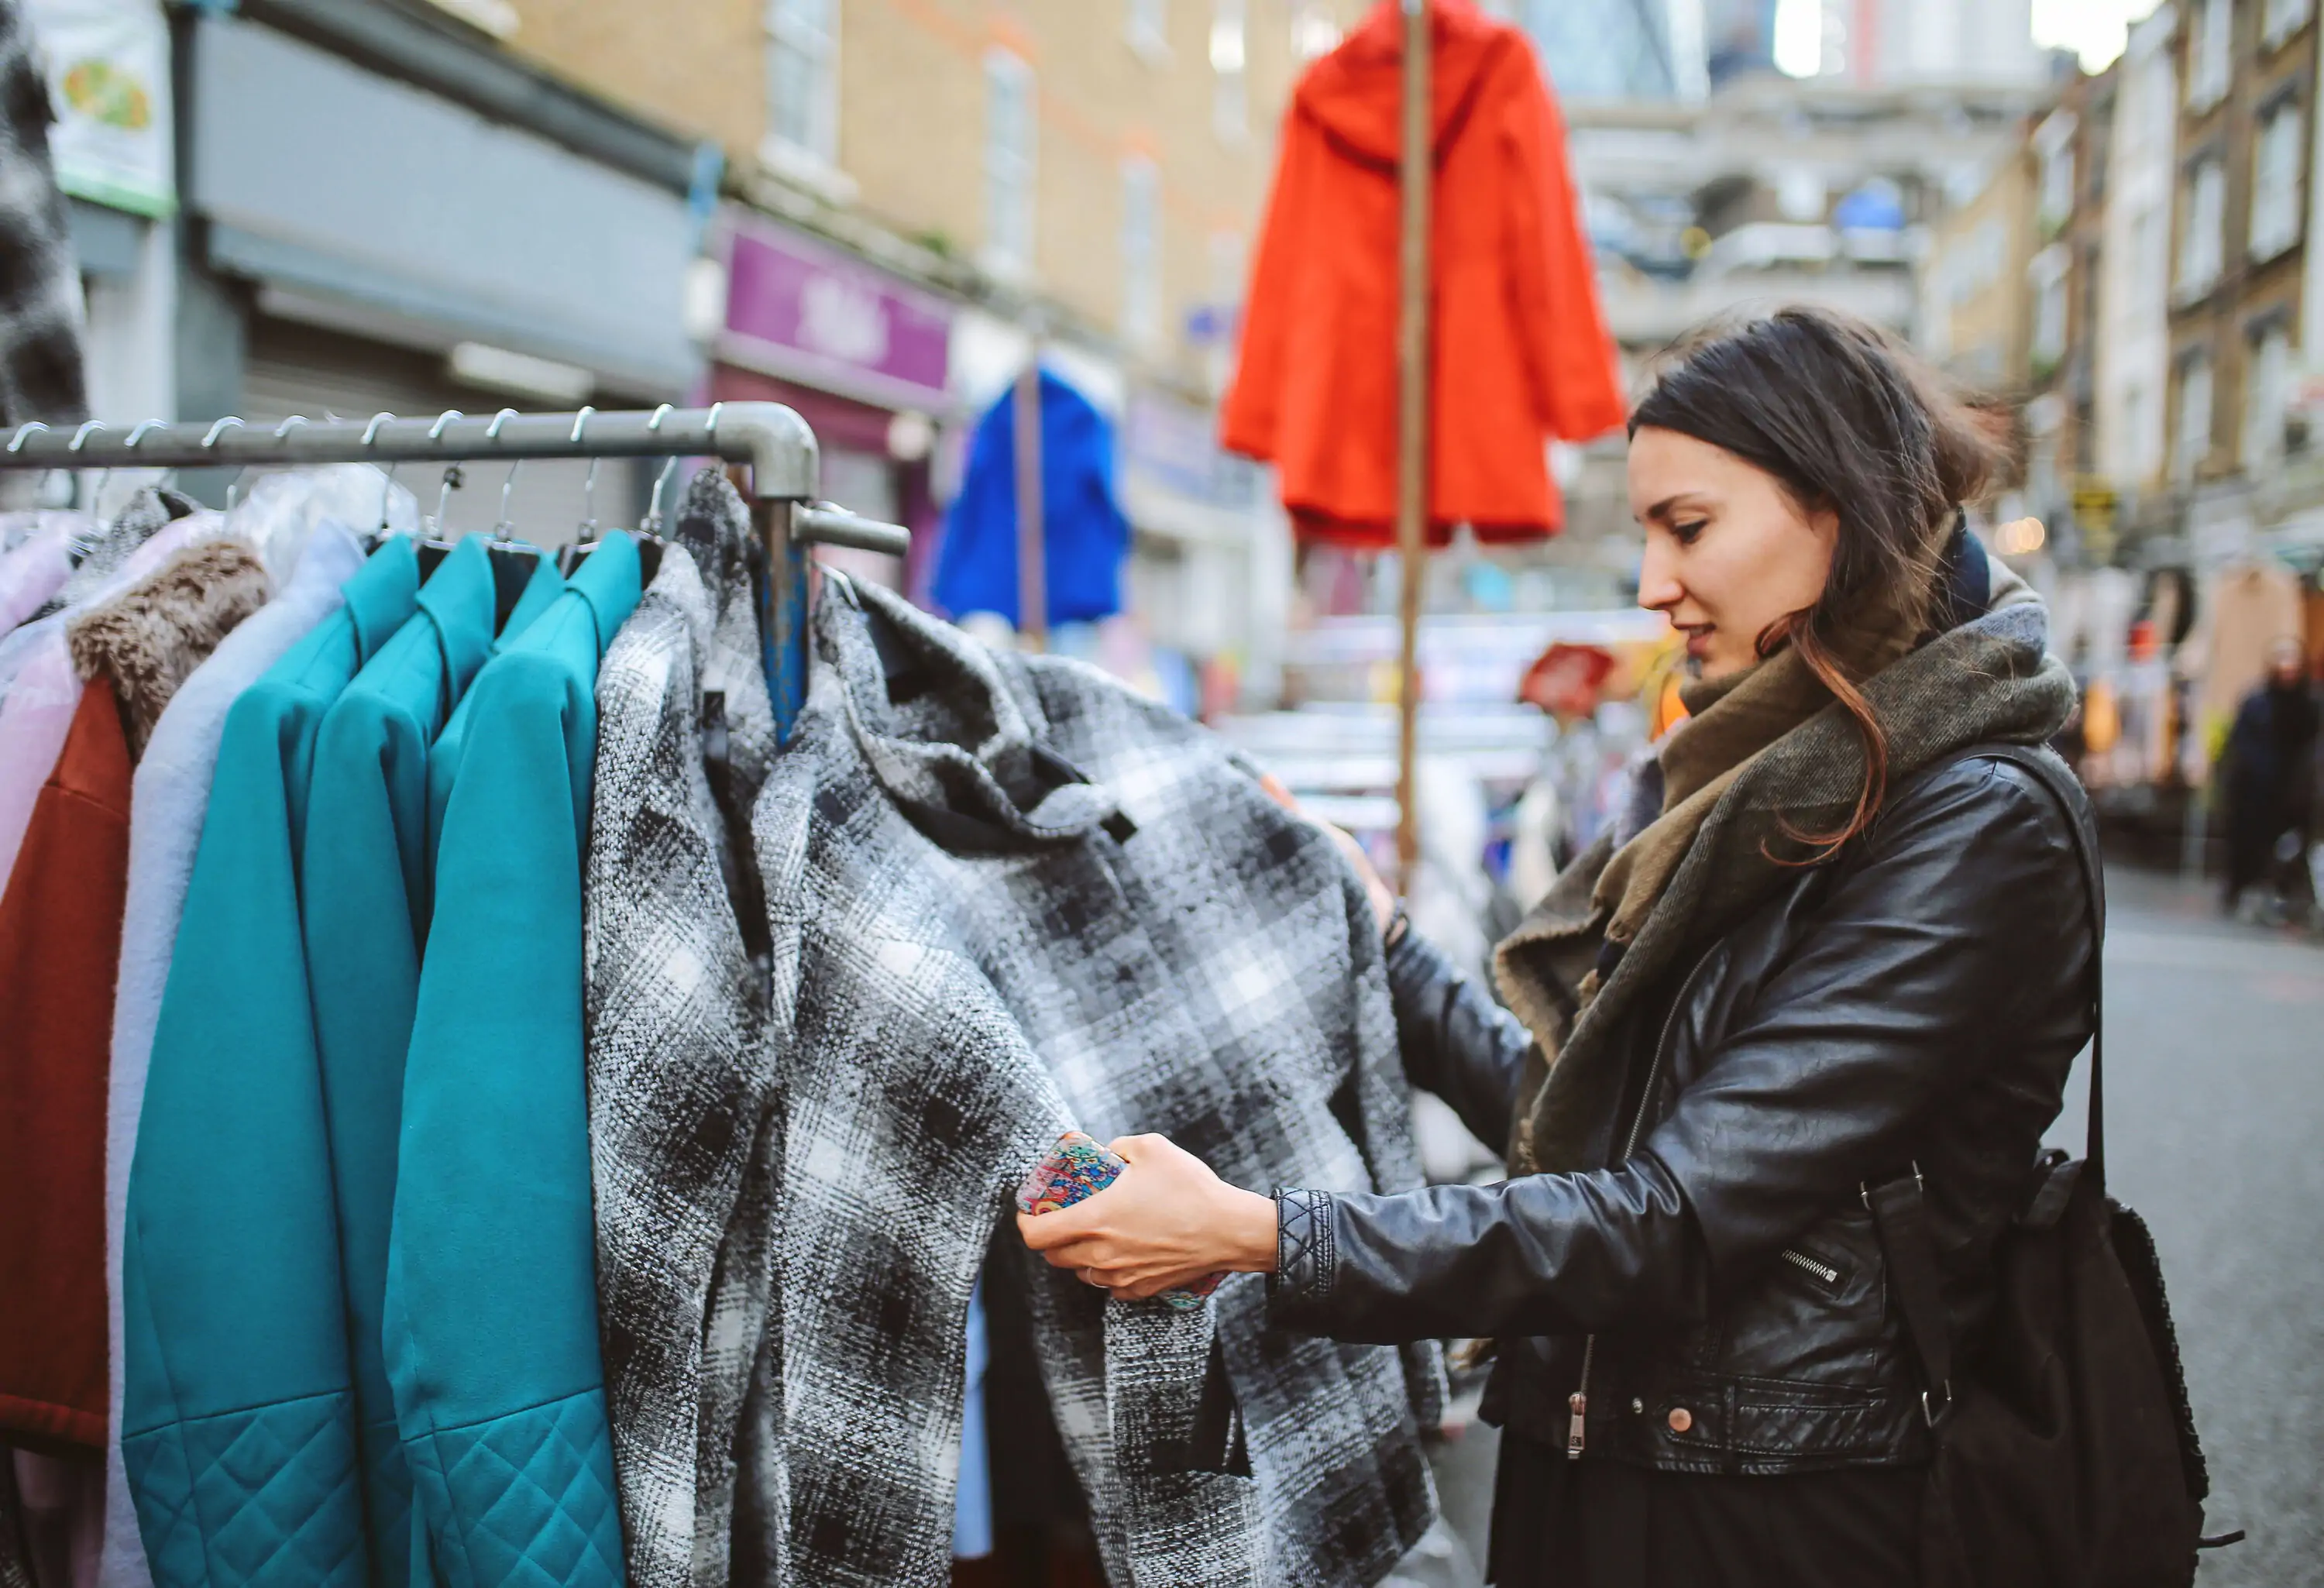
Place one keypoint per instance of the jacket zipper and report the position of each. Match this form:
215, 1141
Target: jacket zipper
1577, 1404
1806, 1264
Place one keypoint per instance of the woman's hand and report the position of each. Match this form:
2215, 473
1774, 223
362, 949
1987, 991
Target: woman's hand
1167, 1222
1382, 897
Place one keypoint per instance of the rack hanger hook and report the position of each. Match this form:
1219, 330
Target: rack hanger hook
217, 430
138, 434
96, 502
590, 484
502, 524
436, 431
387, 492
24, 433
653, 509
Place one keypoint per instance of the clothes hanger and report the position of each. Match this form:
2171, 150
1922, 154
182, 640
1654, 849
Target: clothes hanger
87, 541
433, 549
648, 535
513, 561
586, 536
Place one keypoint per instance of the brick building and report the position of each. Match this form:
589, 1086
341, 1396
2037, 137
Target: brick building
2246, 121
988, 171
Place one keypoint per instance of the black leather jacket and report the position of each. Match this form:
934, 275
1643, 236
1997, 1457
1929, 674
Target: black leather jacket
1917, 1000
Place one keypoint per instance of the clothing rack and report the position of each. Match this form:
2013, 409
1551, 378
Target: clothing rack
772, 439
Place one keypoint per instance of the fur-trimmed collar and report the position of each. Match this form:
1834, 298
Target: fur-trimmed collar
148, 639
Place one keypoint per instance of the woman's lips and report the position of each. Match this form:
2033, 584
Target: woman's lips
1698, 643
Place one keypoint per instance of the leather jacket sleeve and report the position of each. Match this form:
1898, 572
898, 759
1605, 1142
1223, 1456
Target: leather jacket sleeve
1455, 1040
1955, 924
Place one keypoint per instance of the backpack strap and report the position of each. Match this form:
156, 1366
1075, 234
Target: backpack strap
1900, 1216
1899, 1211
2054, 776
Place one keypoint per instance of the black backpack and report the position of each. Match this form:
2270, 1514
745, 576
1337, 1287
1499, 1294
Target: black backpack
2066, 1452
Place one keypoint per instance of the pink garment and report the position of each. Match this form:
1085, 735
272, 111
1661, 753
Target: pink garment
63, 1508
40, 704
31, 574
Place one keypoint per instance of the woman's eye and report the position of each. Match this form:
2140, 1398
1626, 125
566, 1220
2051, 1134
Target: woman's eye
1686, 533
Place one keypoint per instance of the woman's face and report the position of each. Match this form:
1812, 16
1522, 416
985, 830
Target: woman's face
1728, 550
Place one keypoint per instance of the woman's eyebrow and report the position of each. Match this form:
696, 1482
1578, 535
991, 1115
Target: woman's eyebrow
1666, 506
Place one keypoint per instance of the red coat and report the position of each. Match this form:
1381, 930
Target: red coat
1519, 349
59, 937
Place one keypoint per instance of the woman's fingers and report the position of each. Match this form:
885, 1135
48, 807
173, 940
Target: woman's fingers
1046, 1232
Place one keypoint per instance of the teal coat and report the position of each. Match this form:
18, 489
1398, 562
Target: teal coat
491, 1299
239, 1421
364, 897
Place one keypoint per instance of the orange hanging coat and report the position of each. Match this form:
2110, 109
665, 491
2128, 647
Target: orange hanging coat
1518, 349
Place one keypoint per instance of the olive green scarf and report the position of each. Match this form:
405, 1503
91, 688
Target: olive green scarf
1770, 757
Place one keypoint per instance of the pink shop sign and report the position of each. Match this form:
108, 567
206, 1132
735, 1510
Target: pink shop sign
806, 311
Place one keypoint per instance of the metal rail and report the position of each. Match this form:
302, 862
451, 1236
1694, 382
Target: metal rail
773, 440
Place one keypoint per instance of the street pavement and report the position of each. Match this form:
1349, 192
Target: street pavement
2215, 1132
2214, 1116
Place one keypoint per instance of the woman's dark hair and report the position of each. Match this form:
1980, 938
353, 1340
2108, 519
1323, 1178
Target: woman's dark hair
1846, 419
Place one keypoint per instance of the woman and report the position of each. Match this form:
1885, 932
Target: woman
1829, 944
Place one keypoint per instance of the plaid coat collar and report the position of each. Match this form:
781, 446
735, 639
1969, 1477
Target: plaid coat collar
1007, 896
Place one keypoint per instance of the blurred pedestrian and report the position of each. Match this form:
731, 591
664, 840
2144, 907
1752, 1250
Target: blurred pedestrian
1828, 941
2268, 774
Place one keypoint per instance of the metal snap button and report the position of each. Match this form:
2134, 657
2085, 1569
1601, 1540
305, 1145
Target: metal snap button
1680, 1419
1638, 1407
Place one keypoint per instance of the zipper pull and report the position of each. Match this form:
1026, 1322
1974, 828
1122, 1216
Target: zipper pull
1577, 1428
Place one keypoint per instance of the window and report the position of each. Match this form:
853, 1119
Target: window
2054, 143
1149, 27
2150, 263
2267, 381
2202, 247
2281, 19
2193, 441
1011, 140
803, 78
2275, 182
1141, 252
2134, 421
2214, 48
2049, 272
1979, 262
1230, 84
1313, 33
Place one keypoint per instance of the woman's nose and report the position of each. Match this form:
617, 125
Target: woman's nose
1659, 589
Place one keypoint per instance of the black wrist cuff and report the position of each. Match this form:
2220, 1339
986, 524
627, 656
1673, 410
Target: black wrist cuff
1305, 1258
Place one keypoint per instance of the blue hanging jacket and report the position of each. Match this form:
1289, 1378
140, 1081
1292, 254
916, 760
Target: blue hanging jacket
1085, 534
239, 1420
364, 903
490, 1329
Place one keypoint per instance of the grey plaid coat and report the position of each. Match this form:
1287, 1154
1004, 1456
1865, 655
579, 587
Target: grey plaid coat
40, 370
974, 948
675, 1023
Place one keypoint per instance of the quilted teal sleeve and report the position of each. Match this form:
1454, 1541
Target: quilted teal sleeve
238, 1425
492, 1315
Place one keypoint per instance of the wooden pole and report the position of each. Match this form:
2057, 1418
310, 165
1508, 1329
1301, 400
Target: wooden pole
1412, 423
1032, 542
